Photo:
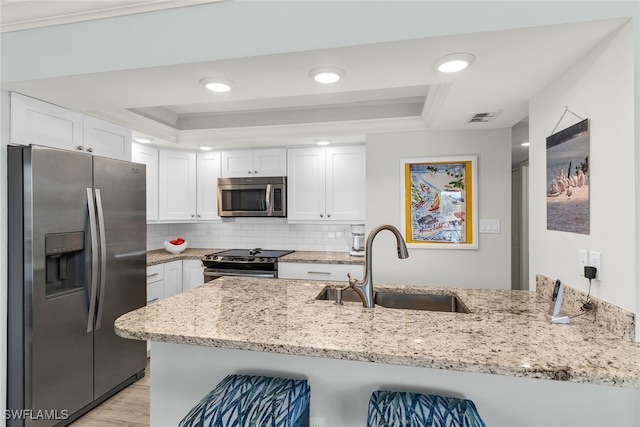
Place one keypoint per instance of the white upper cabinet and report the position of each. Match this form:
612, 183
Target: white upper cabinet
249, 163
326, 184
306, 184
37, 122
208, 167
148, 155
345, 183
41, 123
177, 186
106, 139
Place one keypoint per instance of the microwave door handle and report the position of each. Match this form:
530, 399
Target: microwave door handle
269, 204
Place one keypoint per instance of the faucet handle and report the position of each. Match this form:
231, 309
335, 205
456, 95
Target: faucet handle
352, 281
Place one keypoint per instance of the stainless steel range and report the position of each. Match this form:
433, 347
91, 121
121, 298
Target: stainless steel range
242, 262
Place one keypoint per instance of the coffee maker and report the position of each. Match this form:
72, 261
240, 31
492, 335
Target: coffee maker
356, 246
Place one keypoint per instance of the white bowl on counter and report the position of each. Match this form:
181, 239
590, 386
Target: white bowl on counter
175, 249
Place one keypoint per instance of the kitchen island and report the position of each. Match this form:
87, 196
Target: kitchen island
505, 354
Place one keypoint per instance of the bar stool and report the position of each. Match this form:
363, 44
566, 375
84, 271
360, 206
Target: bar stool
406, 409
252, 400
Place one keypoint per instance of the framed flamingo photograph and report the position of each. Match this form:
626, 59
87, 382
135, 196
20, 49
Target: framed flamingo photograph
439, 202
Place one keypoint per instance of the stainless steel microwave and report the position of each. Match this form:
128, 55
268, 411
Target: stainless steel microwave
258, 196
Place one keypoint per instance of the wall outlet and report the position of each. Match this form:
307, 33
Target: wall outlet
595, 260
316, 422
583, 261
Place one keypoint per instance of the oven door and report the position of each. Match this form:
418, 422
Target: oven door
213, 273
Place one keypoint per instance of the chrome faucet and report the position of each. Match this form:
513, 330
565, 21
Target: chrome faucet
364, 287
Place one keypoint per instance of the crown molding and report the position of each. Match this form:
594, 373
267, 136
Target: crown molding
26, 14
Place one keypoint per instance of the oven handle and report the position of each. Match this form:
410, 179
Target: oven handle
219, 273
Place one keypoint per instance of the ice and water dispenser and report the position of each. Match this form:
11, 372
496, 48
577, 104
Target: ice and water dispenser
65, 261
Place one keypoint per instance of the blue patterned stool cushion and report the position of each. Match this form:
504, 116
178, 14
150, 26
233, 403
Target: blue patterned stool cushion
404, 409
248, 401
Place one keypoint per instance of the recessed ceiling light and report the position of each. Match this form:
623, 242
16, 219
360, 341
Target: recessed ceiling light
455, 62
217, 84
326, 74
143, 139
206, 148
525, 144
323, 141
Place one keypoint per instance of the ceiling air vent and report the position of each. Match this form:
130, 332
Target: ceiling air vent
482, 117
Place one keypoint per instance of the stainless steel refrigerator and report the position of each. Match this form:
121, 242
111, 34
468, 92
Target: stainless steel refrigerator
77, 261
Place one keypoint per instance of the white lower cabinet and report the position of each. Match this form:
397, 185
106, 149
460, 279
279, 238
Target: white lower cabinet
314, 271
192, 273
172, 278
155, 288
155, 283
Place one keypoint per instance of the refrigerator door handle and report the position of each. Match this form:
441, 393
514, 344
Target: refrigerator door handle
94, 260
103, 258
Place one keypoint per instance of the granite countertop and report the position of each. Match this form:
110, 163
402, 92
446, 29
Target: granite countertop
506, 333
160, 256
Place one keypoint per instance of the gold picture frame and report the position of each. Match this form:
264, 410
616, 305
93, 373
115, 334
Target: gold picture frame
439, 202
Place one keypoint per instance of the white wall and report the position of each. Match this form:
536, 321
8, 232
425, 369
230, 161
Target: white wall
599, 87
487, 267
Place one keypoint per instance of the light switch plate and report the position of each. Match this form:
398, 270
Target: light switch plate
490, 226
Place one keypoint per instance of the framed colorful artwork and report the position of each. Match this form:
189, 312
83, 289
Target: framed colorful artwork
439, 202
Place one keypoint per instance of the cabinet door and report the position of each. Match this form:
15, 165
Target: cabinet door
37, 122
192, 274
237, 163
172, 278
177, 186
207, 186
270, 162
106, 139
155, 292
148, 156
306, 184
345, 188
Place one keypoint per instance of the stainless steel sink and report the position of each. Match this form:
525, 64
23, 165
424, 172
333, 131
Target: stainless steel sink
407, 301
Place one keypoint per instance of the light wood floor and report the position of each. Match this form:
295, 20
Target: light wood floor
129, 408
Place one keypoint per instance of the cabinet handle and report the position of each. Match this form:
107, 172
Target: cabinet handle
90, 150
199, 216
321, 216
152, 301
151, 275
193, 216
328, 215
249, 172
319, 272
80, 147
255, 172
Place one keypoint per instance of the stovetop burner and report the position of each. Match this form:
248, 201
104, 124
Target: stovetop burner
236, 258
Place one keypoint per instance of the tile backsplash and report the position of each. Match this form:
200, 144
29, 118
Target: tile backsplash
247, 233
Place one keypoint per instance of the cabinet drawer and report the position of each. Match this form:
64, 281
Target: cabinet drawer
313, 271
155, 292
155, 273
